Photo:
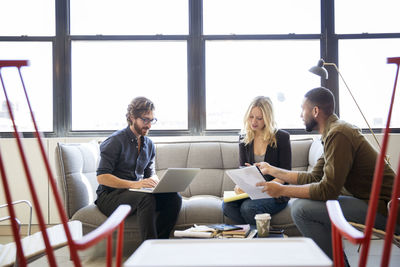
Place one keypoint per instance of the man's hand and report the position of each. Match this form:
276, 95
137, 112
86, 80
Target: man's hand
144, 183
273, 189
155, 178
238, 190
264, 167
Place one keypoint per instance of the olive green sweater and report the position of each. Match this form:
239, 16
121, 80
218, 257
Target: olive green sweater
348, 162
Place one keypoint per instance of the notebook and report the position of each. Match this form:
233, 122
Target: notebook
173, 180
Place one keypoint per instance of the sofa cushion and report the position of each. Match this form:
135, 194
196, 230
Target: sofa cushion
91, 217
230, 155
316, 151
77, 174
283, 220
171, 155
300, 150
212, 157
200, 210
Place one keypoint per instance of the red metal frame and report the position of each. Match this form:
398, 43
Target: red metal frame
340, 227
116, 220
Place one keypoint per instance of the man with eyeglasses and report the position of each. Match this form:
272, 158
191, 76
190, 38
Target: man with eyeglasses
127, 161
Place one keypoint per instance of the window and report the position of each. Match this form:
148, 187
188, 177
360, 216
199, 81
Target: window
27, 18
200, 61
106, 76
258, 47
368, 33
124, 17
26, 33
367, 16
238, 71
261, 16
38, 82
370, 79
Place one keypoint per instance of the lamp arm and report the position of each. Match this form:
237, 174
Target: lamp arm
355, 101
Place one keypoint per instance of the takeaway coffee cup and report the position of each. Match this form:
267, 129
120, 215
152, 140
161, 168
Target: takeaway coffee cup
262, 222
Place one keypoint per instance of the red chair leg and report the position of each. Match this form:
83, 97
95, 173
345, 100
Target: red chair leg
109, 251
337, 248
118, 254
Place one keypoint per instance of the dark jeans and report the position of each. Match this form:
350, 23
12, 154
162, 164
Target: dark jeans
312, 219
243, 211
156, 213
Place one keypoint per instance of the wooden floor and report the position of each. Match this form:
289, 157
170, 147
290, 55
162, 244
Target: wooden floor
62, 256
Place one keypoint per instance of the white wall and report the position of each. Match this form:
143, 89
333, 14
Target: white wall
19, 189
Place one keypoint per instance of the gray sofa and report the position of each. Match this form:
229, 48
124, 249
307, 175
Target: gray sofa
201, 201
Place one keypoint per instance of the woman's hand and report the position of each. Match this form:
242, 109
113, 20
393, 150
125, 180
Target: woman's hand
238, 190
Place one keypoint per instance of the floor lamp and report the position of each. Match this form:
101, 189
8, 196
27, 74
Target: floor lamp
321, 71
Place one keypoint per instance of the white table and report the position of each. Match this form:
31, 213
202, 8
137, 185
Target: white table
226, 252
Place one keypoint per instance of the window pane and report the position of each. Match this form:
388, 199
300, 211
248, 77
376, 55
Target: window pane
370, 79
127, 17
106, 76
261, 16
27, 17
359, 16
38, 79
238, 71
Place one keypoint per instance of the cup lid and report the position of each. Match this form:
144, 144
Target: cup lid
262, 216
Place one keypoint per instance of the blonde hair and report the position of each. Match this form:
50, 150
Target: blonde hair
269, 131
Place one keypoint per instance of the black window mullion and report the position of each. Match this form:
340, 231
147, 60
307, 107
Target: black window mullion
329, 48
61, 91
196, 67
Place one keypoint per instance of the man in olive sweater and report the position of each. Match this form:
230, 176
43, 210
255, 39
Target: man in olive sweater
344, 172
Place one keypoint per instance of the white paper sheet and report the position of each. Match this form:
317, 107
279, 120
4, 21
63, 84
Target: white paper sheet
201, 231
247, 178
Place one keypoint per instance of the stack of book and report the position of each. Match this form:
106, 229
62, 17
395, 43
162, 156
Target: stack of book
215, 231
242, 232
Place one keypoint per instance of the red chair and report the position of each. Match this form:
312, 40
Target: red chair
341, 228
70, 230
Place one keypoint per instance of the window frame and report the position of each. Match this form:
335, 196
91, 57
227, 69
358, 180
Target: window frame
61, 43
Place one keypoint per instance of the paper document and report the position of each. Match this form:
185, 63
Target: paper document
246, 179
201, 231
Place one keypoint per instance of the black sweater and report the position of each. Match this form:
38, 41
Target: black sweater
279, 156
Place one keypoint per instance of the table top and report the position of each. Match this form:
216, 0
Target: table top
229, 252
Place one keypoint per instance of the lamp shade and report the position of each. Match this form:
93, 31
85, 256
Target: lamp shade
319, 69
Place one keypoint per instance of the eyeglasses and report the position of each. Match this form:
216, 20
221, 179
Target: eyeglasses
147, 121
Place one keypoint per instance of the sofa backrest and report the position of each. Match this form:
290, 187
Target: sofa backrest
76, 174
77, 164
214, 158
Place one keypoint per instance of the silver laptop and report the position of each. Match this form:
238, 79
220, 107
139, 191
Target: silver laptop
173, 180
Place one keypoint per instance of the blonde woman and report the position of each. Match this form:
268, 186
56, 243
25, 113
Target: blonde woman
261, 141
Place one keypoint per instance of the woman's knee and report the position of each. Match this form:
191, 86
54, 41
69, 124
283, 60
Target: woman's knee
228, 207
248, 207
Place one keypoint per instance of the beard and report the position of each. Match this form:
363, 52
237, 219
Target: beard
310, 125
142, 131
